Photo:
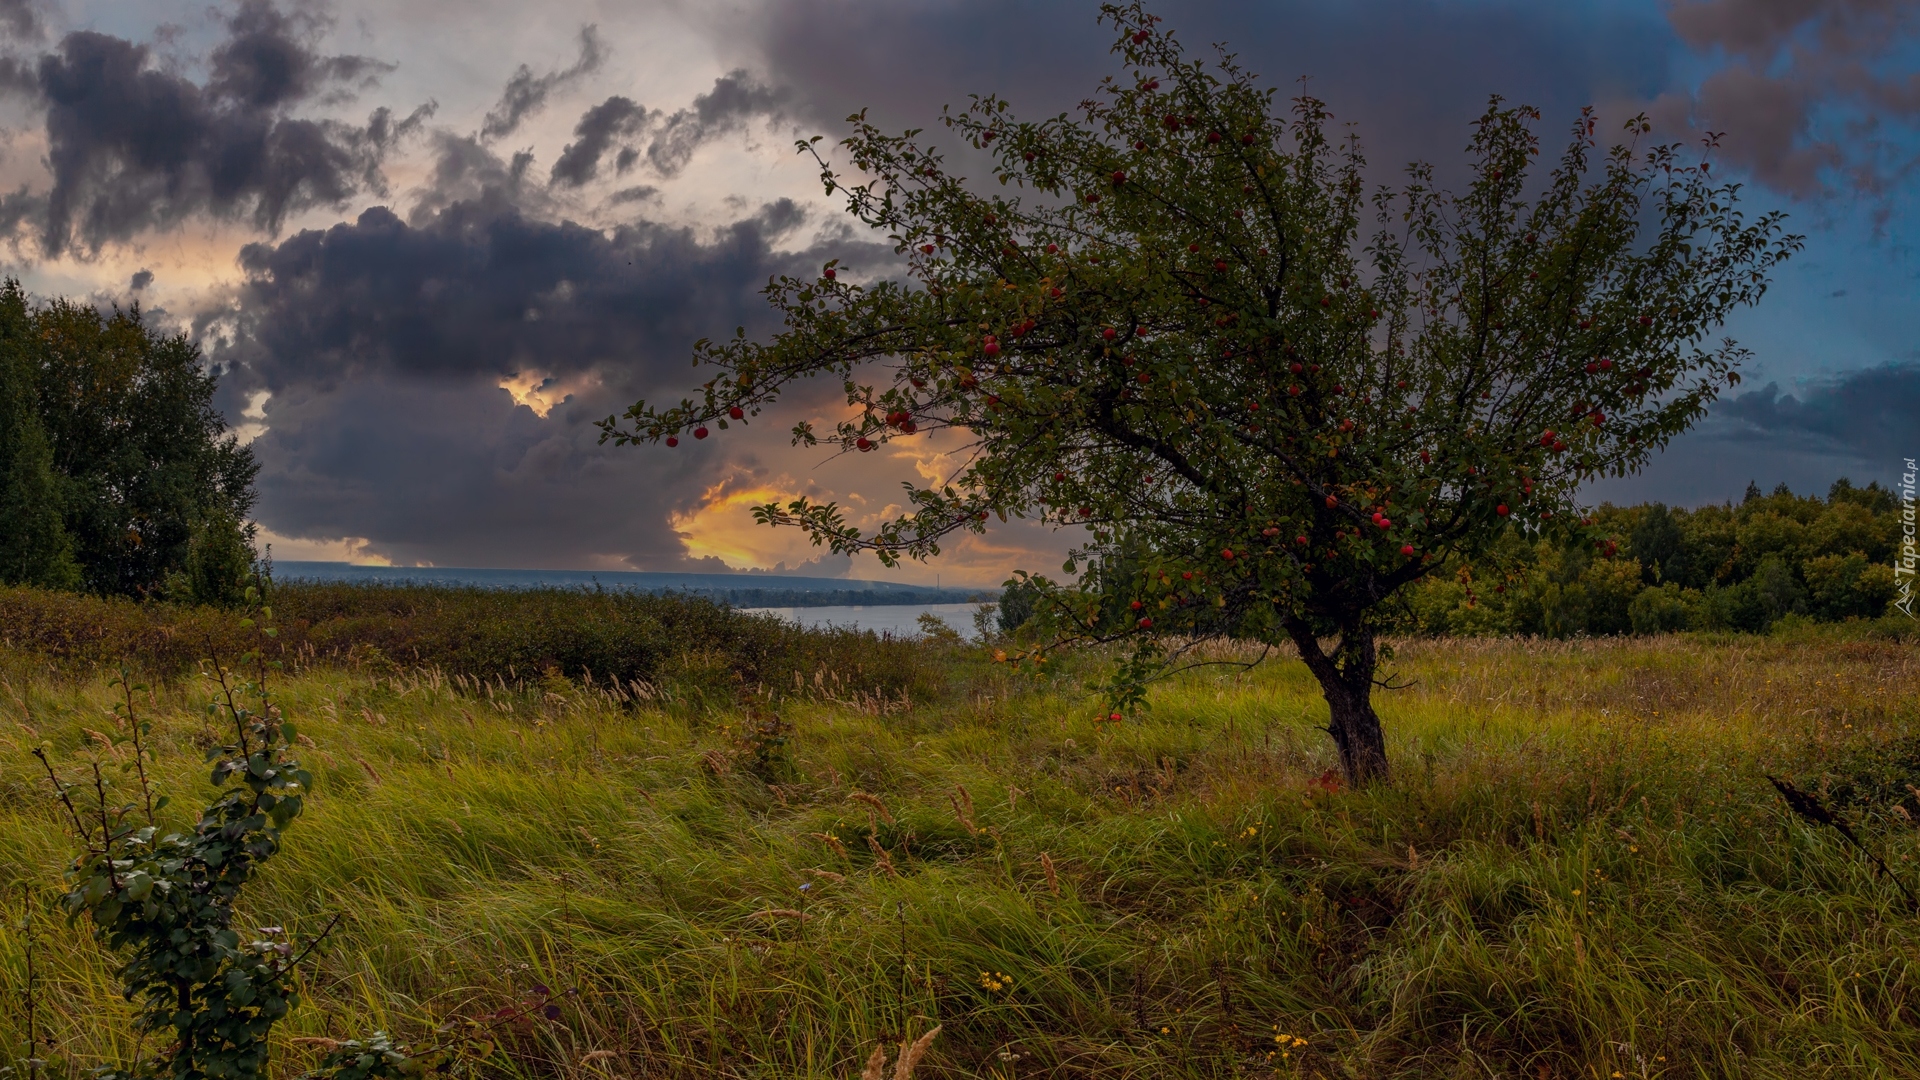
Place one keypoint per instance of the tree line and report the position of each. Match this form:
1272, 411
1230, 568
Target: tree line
1742, 567
118, 476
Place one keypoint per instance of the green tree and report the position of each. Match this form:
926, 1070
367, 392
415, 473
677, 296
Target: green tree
147, 470
34, 546
1658, 545
1186, 339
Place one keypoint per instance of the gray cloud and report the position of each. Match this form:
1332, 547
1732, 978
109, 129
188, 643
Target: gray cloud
526, 93
735, 99
1869, 415
19, 18
384, 341
1858, 424
1810, 92
132, 145
1411, 74
594, 134
265, 64
140, 280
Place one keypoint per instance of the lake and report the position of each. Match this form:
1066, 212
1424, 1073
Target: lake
900, 620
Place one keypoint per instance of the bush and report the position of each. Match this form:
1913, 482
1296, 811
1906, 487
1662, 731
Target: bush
1848, 586
1663, 609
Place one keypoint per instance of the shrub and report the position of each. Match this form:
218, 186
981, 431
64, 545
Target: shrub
1663, 609
705, 647
1848, 586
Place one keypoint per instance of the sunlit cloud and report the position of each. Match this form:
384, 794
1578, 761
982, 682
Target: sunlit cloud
347, 549
541, 392
721, 526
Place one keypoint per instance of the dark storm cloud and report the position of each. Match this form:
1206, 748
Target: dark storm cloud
264, 63
526, 93
384, 342
1869, 415
594, 135
141, 279
734, 100
19, 19
1859, 424
1813, 93
485, 291
1411, 73
134, 146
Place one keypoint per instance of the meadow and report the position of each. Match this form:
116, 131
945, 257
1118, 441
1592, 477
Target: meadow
1580, 869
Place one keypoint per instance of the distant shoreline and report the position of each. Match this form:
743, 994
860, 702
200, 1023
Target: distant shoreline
737, 590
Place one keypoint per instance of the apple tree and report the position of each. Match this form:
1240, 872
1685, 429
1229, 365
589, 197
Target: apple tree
1270, 394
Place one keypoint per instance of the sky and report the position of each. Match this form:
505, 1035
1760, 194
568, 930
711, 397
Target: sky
426, 243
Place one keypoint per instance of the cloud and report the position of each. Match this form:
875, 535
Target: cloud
1812, 92
526, 93
735, 99
1411, 73
580, 161
431, 381
264, 64
1868, 415
140, 280
19, 19
133, 145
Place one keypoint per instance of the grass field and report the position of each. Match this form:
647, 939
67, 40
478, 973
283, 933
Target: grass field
1580, 870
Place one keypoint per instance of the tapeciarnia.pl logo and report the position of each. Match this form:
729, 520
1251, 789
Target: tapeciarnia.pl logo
1909, 555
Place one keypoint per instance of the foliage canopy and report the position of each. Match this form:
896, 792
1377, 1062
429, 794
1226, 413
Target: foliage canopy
1268, 414
117, 474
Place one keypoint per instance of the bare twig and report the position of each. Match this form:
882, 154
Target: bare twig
1808, 807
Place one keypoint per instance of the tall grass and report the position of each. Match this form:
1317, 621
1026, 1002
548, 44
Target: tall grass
1579, 870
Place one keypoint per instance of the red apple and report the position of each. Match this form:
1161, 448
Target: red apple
863, 443
1501, 510
827, 273
1227, 554
672, 441
1407, 550
736, 412
699, 433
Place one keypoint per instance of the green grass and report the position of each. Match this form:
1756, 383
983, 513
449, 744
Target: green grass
1578, 871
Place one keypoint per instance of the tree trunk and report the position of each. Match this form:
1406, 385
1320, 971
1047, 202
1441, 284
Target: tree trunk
1346, 680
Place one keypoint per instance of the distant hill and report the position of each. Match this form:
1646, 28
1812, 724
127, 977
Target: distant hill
740, 590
